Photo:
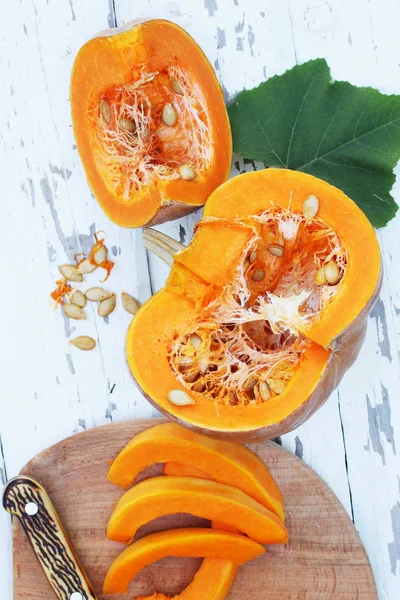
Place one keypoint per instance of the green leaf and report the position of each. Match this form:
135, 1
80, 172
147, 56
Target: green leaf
347, 135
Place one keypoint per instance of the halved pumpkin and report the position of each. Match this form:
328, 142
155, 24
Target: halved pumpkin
149, 121
263, 312
193, 542
225, 462
159, 496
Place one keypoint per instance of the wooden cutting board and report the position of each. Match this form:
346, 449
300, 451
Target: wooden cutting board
323, 560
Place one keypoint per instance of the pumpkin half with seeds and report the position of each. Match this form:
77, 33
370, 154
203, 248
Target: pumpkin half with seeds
150, 122
263, 312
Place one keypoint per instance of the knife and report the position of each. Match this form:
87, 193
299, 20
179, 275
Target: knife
26, 499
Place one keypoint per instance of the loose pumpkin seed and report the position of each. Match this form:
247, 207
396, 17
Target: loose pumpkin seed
179, 398
310, 207
74, 312
78, 298
187, 172
265, 392
100, 255
168, 115
275, 250
68, 271
253, 257
97, 294
106, 306
127, 125
130, 304
195, 340
320, 278
176, 86
105, 110
83, 342
85, 267
332, 272
276, 385
258, 275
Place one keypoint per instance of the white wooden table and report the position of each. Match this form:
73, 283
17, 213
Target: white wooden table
50, 390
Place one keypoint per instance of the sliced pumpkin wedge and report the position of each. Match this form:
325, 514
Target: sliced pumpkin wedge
159, 496
225, 462
181, 470
212, 581
192, 542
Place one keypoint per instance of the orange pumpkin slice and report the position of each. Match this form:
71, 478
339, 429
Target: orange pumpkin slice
263, 312
212, 581
159, 496
225, 462
150, 122
192, 542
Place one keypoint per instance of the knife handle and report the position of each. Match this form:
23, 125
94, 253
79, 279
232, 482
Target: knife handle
26, 499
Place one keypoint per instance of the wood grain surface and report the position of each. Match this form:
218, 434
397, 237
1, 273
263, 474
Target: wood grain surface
324, 559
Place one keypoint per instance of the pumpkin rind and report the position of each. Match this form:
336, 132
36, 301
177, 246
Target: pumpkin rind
334, 340
112, 59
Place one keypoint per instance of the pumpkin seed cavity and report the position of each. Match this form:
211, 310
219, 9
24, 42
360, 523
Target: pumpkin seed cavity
246, 345
154, 128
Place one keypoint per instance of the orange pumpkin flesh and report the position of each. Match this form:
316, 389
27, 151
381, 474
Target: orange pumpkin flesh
232, 464
192, 542
212, 581
159, 496
312, 347
131, 157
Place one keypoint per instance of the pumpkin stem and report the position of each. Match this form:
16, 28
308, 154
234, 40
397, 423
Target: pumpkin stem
161, 245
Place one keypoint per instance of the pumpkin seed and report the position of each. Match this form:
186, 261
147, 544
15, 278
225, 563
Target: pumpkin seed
258, 275
253, 256
168, 115
97, 294
185, 361
68, 271
146, 133
310, 207
78, 298
105, 110
127, 125
276, 385
130, 304
195, 340
83, 342
85, 267
106, 306
275, 250
199, 387
176, 86
100, 255
187, 172
332, 272
74, 312
179, 398
250, 383
246, 264
320, 278
191, 376
265, 392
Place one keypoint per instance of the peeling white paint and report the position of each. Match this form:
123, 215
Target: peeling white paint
48, 214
